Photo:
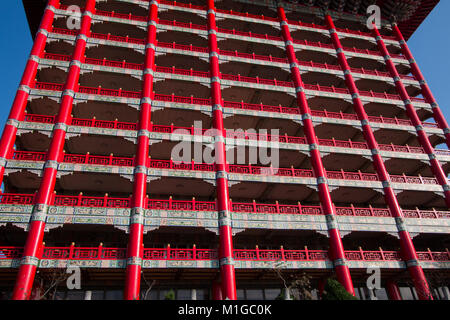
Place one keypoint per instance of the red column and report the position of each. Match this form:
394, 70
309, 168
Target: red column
407, 246
216, 291
138, 201
321, 287
393, 291
336, 248
228, 280
20, 101
412, 114
426, 92
43, 198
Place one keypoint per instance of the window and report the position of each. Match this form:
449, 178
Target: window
151, 295
272, 294
97, 295
406, 293
113, 295
315, 294
75, 295
381, 294
254, 294
357, 294
183, 294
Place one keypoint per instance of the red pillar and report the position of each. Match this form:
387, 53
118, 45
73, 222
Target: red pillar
20, 101
138, 201
216, 291
226, 261
30, 260
412, 114
321, 287
426, 92
407, 246
337, 254
393, 291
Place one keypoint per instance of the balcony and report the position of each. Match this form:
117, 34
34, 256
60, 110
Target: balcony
413, 90
242, 9
114, 53
122, 7
118, 255
205, 101
248, 181
184, 16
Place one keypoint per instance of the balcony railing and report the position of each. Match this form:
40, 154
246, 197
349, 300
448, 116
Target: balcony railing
103, 253
237, 32
230, 134
252, 56
195, 205
228, 104
237, 169
238, 78
230, 12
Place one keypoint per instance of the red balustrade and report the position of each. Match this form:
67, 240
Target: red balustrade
247, 15
380, 255
194, 205
236, 13
120, 15
274, 82
360, 33
191, 25
19, 199
11, 253
183, 47
83, 201
103, 124
231, 133
188, 25
238, 169
246, 135
98, 160
180, 4
80, 253
103, 253
115, 64
192, 48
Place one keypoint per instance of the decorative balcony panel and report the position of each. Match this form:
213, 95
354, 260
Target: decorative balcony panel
60, 257
294, 25
297, 144
116, 212
157, 169
135, 70
231, 34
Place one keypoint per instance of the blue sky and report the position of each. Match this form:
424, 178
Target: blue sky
429, 45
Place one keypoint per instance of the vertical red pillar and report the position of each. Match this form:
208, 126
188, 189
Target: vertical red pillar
408, 250
426, 92
20, 101
337, 254
321, 287
226, 261
138, 201
216, 291
30, 260
412, 114
393, 291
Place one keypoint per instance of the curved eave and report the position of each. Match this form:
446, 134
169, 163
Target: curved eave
35, 8
410, 26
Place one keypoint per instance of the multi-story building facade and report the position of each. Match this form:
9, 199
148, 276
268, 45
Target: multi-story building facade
357, 184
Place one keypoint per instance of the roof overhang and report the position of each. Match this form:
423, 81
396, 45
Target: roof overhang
409, 13
34, 9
